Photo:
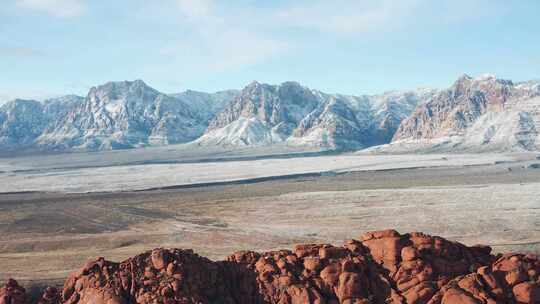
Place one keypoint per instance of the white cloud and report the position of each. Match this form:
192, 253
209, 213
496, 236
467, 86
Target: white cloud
347, 16
378, 16
228, 49
57, 8
222, 39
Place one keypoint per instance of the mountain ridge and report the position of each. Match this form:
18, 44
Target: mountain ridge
475, 113
129, 114
296, 115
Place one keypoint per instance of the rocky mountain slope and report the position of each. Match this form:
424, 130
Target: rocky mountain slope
475, 114
483, 113
124, 115
131, 114
23, 121
207, 104
378, 267
114, 115
295, 115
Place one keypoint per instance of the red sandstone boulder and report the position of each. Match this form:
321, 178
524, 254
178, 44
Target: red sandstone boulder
12, 293
513, 278
50, 295
381, 267
419, 265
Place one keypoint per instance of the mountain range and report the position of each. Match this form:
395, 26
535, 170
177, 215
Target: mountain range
474, 115
482, 113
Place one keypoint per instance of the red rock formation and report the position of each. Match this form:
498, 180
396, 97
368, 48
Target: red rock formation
50, 295
513, 278
380, 267
13, 293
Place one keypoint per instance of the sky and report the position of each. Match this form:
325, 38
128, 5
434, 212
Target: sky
56, 47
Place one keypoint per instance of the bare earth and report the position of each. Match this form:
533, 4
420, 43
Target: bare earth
45, 235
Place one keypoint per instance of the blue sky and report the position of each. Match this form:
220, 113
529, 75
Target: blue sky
54, 47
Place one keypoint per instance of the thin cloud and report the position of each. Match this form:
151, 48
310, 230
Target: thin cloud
228, 49
346, 16
196, 9
19, 51
220, 42
57, 8
367, 16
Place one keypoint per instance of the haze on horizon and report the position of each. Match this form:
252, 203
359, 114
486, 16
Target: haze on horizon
56, 47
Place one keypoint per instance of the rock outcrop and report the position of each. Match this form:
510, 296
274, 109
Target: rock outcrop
13, 293
379, 267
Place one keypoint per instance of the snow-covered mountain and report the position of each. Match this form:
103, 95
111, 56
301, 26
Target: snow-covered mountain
474, 114
21, 122
207, 104
131, 114
295, 115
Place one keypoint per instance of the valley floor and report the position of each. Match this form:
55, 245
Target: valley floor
493, 200
121, 171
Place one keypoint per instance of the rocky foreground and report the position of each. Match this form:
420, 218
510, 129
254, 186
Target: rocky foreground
380, 267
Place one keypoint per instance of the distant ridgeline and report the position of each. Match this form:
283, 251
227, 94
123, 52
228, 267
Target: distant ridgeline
484, 113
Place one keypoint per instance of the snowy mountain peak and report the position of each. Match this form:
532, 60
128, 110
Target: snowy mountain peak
18, 102
485, 77
64, 99
292, 113
253, 84
125, 114
21, 122
482, 111
291, 84
464, 78
481, 79
485, 112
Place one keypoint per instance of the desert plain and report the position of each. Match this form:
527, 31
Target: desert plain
54, 216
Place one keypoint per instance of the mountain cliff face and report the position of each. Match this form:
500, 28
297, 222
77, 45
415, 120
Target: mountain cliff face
295, 115
484, 113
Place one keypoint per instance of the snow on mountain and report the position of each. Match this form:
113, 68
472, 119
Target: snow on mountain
21, 122
265, 114
262, 114
242, 132
475, 114
207, 104
123, 115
